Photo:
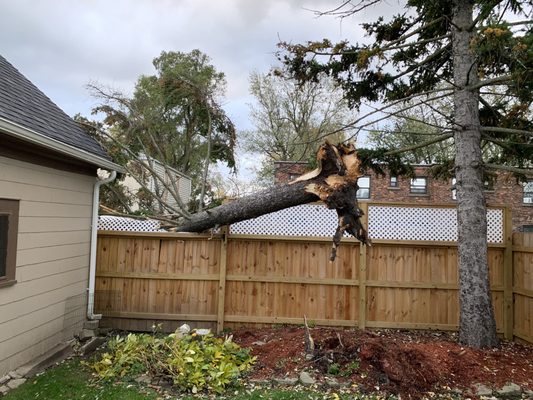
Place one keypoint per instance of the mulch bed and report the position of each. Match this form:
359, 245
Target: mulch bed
409, 363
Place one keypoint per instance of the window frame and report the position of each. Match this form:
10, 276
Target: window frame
454, 189
393, 182
530, 193
10, 208
417, 192
365, 188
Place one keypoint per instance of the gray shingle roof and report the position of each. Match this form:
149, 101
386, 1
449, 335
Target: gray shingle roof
21, 102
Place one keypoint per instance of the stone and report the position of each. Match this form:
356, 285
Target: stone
286, 381
482, 390
184, 329
143, 379
86, 334
4, 379
92, 344
3, 390
91, 325
306, 379
15, 374
528, 394
104, 331
15, 383
510, 391
332, 382
258, 343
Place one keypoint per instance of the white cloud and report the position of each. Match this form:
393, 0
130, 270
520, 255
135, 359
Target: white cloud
61, 45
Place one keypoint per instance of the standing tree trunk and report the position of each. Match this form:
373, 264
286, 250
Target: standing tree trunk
477, 327
334, 182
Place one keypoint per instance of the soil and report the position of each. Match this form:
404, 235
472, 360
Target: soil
409, 363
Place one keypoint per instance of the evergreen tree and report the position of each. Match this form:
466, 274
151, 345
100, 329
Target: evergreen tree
438, 49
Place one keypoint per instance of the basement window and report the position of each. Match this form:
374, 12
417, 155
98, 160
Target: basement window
393, 182
9, 213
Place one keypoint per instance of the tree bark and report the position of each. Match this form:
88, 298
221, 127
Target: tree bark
477, 327
271, 200
334, 182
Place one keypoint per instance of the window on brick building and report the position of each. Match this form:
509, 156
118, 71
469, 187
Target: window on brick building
9, 210
419, 185
364, 187
454, 191
528, 192
393, 182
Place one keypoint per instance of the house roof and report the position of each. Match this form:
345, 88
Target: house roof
27, 113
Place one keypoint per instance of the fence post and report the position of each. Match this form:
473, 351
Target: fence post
362, 272
508, 307
222, 279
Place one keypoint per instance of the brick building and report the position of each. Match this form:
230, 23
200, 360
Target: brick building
503, 190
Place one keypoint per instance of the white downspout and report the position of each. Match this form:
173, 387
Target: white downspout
94, 231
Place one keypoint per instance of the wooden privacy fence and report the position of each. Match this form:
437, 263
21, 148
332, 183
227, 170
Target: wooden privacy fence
235, 279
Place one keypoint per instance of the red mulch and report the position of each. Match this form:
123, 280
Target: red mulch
400, 362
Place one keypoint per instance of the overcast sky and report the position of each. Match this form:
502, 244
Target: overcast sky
61, 45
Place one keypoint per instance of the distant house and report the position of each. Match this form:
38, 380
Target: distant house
503, 190
165, 174
48, 184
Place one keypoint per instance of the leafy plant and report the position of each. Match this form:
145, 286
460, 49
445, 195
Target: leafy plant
192, 362
350, 368
334, 369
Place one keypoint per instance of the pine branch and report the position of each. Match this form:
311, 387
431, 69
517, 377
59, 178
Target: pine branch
437, 139
506, 130
521, 171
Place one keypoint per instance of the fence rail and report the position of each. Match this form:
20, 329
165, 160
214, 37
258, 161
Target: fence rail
237, 279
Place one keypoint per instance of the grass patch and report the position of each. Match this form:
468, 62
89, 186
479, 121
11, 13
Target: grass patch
73, 381
70, 380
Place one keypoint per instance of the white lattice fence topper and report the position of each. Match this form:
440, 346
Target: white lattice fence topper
425, 223
303, 220
384, 222
110, 223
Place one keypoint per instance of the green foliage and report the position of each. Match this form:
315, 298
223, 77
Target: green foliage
411, 55
192, 362
291, 120
128, 356
174, 116
334, 369
379, 161
350, 368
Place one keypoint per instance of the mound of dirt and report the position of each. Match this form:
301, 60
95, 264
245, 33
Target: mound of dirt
399, 362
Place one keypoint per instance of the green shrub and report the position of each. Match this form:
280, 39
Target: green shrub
192, 362
334, 369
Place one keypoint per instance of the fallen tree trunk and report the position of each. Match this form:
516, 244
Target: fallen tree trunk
334, 182
271, 200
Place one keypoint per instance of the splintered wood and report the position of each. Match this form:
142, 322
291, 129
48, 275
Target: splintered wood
334, 181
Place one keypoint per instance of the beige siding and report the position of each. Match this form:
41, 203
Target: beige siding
52, 260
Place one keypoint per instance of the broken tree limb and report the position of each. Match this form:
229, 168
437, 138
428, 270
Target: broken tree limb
309, 342
334, 181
